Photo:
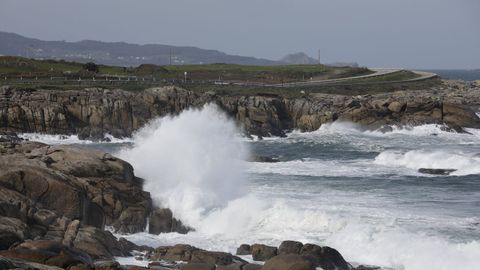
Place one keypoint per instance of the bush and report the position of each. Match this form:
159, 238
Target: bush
92, 67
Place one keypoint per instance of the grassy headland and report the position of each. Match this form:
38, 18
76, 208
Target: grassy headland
223, 79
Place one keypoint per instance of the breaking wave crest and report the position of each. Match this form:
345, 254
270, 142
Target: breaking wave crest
193, 162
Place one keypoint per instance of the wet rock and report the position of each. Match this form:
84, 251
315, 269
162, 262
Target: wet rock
162, 221
95, 190
262, 252
12, 230
367, 267
325, 257
48, 253
265, 159
211, 257
436, 171
198, 266
252, 266
290, 247
244, 249
176, 253
288, 262
98, 243
9, 263
233, 266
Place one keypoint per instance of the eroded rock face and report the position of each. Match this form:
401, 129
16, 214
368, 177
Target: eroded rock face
95, 188
91, 113
62, 197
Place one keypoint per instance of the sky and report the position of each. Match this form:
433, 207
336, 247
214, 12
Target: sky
374, 33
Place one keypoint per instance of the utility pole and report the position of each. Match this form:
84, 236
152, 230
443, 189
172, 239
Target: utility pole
319, 62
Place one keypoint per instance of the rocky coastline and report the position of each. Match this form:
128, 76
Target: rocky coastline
92, 113
60, 205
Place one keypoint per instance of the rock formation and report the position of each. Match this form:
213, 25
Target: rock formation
93, 112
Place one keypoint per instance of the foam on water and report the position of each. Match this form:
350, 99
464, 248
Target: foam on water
464, 163
193, 164
67, 139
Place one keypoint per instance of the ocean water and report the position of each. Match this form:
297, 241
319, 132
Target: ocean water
356, 191
458, 74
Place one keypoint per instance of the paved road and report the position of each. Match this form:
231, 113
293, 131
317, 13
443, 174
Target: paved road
378, 72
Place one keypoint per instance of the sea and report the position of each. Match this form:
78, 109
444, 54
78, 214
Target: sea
355, 190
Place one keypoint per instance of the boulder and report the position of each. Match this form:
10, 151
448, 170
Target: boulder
233, 266
265, 159
12, 230
218, 258
9, 263
436, 171
98, 243
198, 266
97, 189
262, 252
244, 249
290, 247
49, 253
176, 253
162, 221
288, 262
325, 257
397, 106
252, 266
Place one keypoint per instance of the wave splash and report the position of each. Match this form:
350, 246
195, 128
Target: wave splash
193, 162
464, 163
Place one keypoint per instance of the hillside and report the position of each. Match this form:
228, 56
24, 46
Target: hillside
117, 53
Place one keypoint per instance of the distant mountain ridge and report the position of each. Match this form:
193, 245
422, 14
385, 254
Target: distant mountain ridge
118, 53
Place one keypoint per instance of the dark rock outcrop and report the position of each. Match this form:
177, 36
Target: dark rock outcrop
93, 112
436, 171
288, 262
263, 252
97, 189
244, 249
62, 197
325, 257
290, 247
162, 221
48, 253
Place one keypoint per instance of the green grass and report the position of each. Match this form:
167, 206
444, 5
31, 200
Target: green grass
18, 66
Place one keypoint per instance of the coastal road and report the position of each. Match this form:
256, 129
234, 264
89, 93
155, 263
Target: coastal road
378, 72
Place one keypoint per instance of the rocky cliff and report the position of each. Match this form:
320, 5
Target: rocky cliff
94, 112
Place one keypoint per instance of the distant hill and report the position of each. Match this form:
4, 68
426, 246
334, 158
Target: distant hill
299, 58
118, 53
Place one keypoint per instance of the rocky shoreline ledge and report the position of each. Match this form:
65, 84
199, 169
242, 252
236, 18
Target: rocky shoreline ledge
60, 204
92, 113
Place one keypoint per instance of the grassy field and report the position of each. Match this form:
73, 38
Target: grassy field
37, 74
18, 66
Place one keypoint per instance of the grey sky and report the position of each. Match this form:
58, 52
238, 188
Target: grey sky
375, 33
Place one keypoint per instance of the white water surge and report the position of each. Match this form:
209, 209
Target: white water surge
192, 164
357, 191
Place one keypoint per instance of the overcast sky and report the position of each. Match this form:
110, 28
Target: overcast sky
374, 33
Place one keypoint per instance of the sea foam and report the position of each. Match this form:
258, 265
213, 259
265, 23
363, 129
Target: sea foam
193, 162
